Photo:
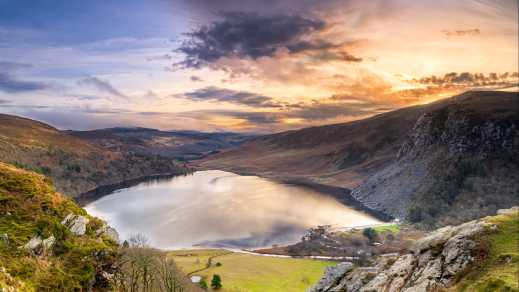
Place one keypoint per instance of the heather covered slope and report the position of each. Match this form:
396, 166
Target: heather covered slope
75, 165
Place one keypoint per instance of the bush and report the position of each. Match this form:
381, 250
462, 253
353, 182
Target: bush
370, 234
203, 284
216, 282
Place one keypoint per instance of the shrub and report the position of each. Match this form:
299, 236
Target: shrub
216, 282
370, 234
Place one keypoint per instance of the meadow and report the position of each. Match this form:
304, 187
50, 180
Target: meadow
247, 272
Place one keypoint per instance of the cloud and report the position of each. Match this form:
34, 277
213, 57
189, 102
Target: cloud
196, 79
468, 79
250, 35
3, 101
237, 97
101, 85
13, 66
460, 33
11, 84
165, 57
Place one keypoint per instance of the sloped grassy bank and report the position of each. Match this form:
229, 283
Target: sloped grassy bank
49, 243
30, 208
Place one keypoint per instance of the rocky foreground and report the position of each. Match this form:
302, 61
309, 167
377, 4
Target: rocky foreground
475, 256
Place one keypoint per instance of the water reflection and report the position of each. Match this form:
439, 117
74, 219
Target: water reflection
221, 209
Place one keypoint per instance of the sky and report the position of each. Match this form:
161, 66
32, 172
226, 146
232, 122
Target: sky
243, 65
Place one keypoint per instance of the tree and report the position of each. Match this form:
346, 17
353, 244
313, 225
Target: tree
216, 282
370, 234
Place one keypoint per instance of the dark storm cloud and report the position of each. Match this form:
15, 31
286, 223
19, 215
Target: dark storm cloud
232, 96
101, 85
245, 34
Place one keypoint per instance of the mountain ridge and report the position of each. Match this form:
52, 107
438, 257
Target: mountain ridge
371, 150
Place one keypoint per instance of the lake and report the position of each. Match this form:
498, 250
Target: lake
221, 209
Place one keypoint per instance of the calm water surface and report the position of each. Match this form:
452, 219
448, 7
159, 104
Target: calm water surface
221, 209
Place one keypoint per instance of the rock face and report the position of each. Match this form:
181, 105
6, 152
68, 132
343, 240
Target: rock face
459, 162
331, 277
434, 263
108, 232
75, 223
39, 246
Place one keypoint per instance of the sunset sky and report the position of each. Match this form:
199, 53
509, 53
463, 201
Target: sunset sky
243, 65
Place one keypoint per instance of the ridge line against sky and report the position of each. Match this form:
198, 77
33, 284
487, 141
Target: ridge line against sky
250, 66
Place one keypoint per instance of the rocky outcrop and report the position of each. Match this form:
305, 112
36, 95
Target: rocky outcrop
76, 223
434, 262
459, 162
109, 232
39, 246
332, 276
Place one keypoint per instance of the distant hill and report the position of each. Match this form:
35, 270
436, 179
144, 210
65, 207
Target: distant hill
75, 164
180, 145
440, 163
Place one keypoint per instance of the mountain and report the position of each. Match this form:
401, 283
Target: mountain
180, 145
339, 155
479, 255
459, 162
441, 163
75, 165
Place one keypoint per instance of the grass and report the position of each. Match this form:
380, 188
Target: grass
393, 228
246, 272
29, 207
499, 271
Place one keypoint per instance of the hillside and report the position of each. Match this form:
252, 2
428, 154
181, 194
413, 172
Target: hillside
480, 255
37, 251
179, 145
423, 163
49, 243
74, 164
459, 162
339, 155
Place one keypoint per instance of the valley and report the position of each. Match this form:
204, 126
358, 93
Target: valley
274, 202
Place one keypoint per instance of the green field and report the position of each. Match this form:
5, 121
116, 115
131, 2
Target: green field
246, 272
393, 228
